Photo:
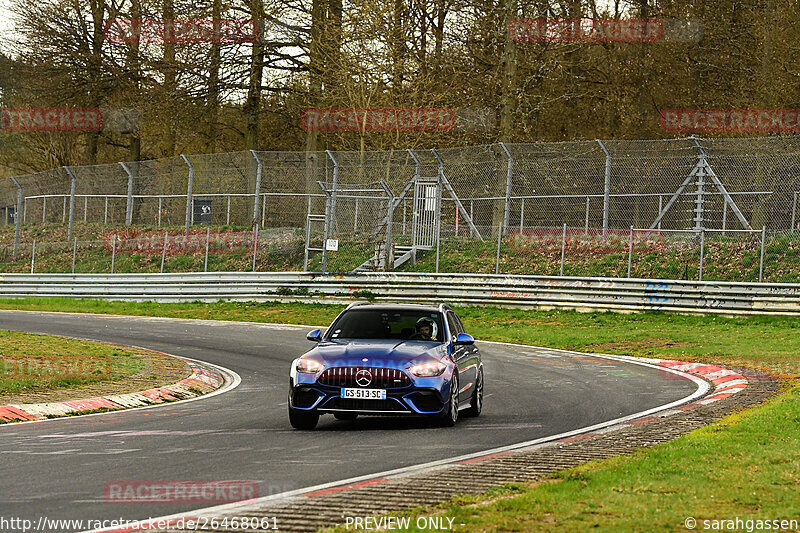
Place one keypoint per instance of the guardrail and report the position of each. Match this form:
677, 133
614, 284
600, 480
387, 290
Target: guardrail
465, 289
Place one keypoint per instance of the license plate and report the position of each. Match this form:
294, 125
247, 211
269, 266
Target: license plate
364, 394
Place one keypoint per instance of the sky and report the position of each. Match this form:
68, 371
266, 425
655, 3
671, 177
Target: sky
5, 24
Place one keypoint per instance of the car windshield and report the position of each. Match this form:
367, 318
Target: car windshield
401, 324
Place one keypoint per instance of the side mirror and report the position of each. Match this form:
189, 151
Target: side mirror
464, 339
314, 335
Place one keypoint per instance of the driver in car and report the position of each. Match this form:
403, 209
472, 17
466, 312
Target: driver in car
425, 329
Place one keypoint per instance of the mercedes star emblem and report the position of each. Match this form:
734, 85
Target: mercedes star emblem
363, 378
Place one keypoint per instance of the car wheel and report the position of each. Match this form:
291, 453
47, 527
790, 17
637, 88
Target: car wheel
476, 403
345, 416
450, 417
301, 420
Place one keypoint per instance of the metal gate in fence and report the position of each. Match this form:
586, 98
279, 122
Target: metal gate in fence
427, 210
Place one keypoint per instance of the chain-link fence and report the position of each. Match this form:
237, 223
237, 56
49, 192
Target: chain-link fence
710, 207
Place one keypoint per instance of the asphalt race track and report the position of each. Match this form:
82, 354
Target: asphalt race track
59, 468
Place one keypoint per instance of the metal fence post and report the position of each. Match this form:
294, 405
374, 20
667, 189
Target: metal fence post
113, 251
255, 245
521, 213
509, 174
586, 220
44, 209
606, 187
439, 179
326, 227
164, 252
724, 215
499, 240
257, 192
794, 212
388, 262
188, 193
660, 206
563, 248
308, 237
630, 252
761, 262
205, 261
332, 224
17, 215
702, 250
74, 253
33, 255
72, 183
129, 202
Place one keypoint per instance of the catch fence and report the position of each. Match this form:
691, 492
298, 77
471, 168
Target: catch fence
710, 206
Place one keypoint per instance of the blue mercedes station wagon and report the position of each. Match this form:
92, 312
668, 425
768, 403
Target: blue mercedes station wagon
388, 359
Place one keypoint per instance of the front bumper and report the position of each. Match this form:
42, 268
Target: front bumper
416, 399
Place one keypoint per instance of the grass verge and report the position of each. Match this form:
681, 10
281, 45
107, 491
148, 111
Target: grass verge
37, 363
746, 466
535, 252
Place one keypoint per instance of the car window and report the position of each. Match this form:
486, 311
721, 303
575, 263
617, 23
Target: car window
455, 326
460, 325
398, 324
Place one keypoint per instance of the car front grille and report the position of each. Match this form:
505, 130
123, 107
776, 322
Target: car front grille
380, 378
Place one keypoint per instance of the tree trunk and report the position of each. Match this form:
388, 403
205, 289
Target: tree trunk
169, 90
98, 8
253, 104
212, 104
135, 141
398, 46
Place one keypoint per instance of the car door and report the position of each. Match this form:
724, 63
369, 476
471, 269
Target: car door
462, 356
473, 355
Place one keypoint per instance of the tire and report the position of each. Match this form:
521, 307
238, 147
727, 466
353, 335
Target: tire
450, 417
345, 416
476, 403
301, 420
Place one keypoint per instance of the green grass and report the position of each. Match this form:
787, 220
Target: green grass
746, 465
715, 339
40, 357
54, 252
282, 249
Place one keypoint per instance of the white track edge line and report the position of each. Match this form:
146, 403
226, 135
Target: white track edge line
235, 381
702, 388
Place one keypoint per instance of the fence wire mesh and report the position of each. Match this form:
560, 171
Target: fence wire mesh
675, 208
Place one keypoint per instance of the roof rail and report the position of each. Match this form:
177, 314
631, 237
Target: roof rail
355, 304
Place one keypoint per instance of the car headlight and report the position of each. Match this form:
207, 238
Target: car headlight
308, 366
427, 370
